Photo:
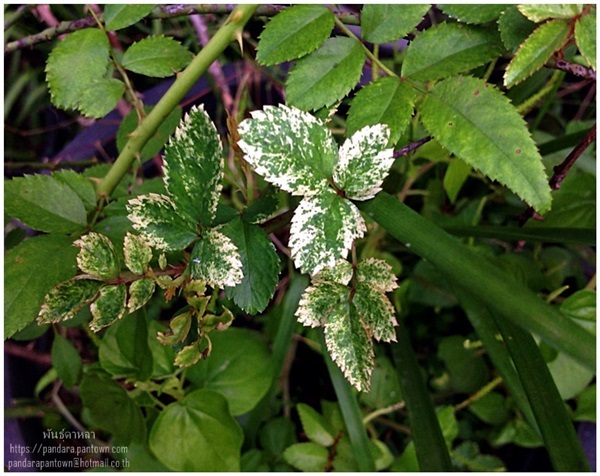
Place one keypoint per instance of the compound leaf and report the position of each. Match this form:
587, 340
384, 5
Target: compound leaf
377, 274
318, 302
137, 253
64, 301
538, 12
585, 37
341, 273
376, 312
216, 260
473, 13
140, 292
293, 33
80, 185
110, 306
97, 256
66, 361
388, 22
326, 75
156, 56
121, 16
477, 123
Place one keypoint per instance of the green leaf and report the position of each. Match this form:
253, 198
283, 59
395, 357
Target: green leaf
385, 389
66, 361
315, 426
473, 13
30, 269
156, 56
455, 177
385, 101
478, 124
110, 408
193, 167
326, 75
536, 50
586, 405
216, 260
448, 49
179, 327
294, 32
64, 301
341, 273
467, 457
585, 37
45, 204
580, 305
137, 253
211, 438
467, 371
81, 186
308, 457
260, 266
324, 226
318, 302
121, 16
140, 292
290, 148
109, 307
377, 274
156, 218
97, 256
491, 408
542, 11
74, 64
101, 96
158, 139
385, 23
376, 312
238, 367
514, 27
570, 377
349, 345
364, 162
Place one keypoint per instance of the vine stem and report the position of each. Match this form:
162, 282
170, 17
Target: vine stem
230, 31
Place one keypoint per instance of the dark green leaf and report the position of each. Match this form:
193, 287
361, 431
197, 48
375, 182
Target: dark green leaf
120, 16
385, 23
585, 37
467, 371
294, 32
586, 405
478, 123
216, 260
315, 426
101, 96
473, 13
514, 27
210, 439
97, 256
64, 301
385, 101
156, 56
326, 75
109, 307
30, 269
542, 11
277, 434
467, 457
385, 390
308, 457
80, 185
491, 408
45, 204
66, 361
456, 175
448, 49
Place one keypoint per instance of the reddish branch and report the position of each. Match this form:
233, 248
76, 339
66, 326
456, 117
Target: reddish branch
575, 69
410, 147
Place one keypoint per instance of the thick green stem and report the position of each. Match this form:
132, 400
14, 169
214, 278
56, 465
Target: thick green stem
230, 31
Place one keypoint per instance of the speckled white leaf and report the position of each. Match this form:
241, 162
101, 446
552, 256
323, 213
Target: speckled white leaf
319, 301
97, 256
137, 253
364, 161
340, 273
216, 260
376, 312
377, 274
193, 167
64, 301
156, 218
350, 345
109, 307
140, 292
323, 229
290, 148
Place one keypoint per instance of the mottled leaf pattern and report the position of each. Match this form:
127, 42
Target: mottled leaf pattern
319, 301
137, 253
377, 274
97, 256
340, 273
140, 292
110, 306
64, 301
216, 260
376, 312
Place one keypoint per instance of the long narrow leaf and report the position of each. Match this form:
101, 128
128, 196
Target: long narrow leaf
574, 236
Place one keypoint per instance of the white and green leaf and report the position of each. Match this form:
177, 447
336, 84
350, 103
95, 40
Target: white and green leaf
156, 56
97, 256
110, 306
538, 12
340, 273
319, 301
323, 228
377, 274
216, 260
137, 253
140, 292
585, 37
382, 23
64, 301
363, 162
376, 312
290, 148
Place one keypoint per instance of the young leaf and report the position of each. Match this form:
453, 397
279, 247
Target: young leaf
140, 292
30, 269
377, 274
260, 266
121, 16
448, 49
80, 185
64, 301
473, 13
315, 426
137, 253
156, 56
66, 361
385, 101
308, 457
290, 148
193, 167
536, 50
156, 218
376, 312
318, 302
44, 203
326, 75
97, 256
294, 32
514, 27
323, 229
101, 96
363, 162
477, 123
213, 438
385, 23
109, 307
216, 260
180, 326
538, 12
585, 37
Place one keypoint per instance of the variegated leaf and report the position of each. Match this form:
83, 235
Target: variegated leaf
350, 345
377, 274
180, 326
290, 148
193, 167
189, 355
341, 273
97, 256
155, 217
64, 301
216, 260
319, 301
110, 306
376, 312
137, 253
364, 161
323, 229
140, 292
